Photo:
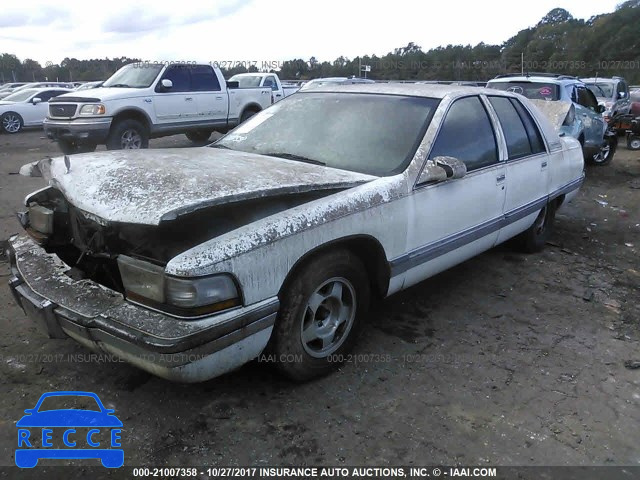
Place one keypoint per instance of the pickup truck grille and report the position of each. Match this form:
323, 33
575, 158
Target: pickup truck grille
62, 110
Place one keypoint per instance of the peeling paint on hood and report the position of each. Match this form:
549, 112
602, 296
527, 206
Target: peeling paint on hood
556, 112
149, 186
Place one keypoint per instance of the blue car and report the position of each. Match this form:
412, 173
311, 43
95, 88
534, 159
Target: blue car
36, 437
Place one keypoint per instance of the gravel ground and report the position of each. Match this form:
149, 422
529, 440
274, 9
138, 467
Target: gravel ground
507, 359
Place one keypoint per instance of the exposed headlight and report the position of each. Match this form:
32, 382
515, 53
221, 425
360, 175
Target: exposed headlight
147, 284
93, 109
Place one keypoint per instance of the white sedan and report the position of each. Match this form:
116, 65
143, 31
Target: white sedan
191, 262
27, 107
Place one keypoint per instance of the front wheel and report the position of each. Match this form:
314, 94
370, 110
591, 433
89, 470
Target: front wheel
606, 152
128, 135
11, 122
535, 237
321, 314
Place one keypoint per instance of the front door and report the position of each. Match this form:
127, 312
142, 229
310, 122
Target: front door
456, 219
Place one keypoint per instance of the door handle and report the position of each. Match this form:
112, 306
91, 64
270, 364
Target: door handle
278, 95
544, 164
500, 178
218, 98
188, 99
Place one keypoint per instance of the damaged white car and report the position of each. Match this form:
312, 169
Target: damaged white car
191, 262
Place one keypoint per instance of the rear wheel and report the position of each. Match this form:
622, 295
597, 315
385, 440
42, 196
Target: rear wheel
321, 315
633, 142
11, 122
128, 135
199, 135
246, 115
535, 237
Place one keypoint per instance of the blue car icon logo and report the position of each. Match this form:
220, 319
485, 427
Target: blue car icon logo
86, 430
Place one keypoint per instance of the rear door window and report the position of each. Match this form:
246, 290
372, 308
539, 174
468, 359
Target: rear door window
203, 79
521, 134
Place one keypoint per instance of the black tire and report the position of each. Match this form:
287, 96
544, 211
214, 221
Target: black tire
633, 142
11, 122
606, 152
246, 115
199, 136
69, 148
338, 282
128, 134
535, 237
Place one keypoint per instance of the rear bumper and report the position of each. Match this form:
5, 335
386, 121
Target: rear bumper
102, 320
81, 130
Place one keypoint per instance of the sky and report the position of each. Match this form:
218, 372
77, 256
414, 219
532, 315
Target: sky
260, 30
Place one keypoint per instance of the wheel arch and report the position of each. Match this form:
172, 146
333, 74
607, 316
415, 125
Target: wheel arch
133, 114
367, 248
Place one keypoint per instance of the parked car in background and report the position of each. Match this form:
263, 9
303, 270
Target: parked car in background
90, 85
8, 88
612, 93
270, 80
26, 108
318, 82
149, 100
578, 113
39, 85
189, 262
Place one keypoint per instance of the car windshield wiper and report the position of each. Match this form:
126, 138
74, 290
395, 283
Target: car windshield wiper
219, 145
116, 85
293, 156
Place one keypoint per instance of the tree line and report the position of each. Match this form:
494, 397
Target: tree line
606, 45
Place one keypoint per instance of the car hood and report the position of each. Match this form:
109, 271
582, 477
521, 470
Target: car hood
4, 102
555, 111
151, 186
101, 94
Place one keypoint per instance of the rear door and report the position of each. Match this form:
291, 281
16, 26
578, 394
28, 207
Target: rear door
176, 104
271, 82
207, 92
594, 125
456, 219
527, 166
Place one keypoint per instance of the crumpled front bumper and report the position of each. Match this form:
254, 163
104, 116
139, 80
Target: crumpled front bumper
101, 319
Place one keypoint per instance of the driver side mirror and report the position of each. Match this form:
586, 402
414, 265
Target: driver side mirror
166, 84
442, 168
600, 109
36, 100
622, 94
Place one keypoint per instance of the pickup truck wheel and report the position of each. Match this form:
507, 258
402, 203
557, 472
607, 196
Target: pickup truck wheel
246, 115
321, 314
534, 239
199, 135
11, 122
69, 148
128, 134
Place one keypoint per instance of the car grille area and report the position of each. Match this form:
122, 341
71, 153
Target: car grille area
62, 110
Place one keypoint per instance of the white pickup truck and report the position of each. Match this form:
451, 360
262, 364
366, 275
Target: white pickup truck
142, 101
269, 80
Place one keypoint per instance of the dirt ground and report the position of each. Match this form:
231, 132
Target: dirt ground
507, 359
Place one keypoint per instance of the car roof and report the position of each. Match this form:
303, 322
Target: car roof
428, 90
535, 78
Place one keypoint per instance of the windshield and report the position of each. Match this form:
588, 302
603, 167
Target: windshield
20, 96
366, 133
246, 81
602, 90
532, 90
134, 75
69, 402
